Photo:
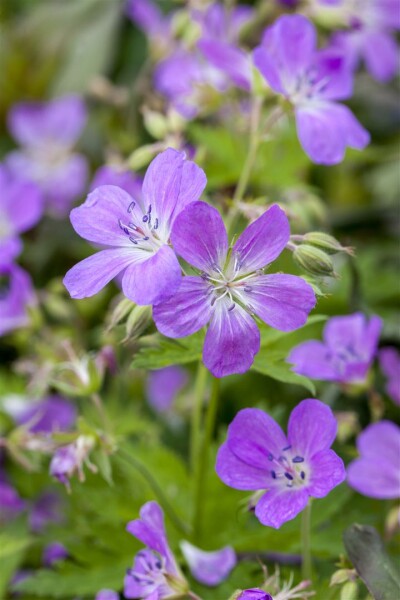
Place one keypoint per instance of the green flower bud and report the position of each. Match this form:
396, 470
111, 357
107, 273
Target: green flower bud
155, 123
326, 242
142, 156
313, 260
138, 320
349, 591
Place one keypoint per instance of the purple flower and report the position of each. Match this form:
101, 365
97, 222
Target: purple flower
112, 175
47, 132
68, 459
155, 573
53, 553
107, 595
371, 37
389, 360
231, 287
345, 355
312, 81
149, 18
254, 594
209, 568
46, 416
376, 473
164, 385
11, 504
16, 294
48, 508
219, 23
136, 232
284, 470
20, 209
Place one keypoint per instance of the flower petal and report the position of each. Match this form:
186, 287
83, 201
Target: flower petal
326, 472
150, 529
313, 359
253, 436
200, 237
209, 568
232, 340
312, 427
278, 506
171, 182
152, 280
375, 478
229, 59
237, 474
91, 274
262, 241
65, 184
37, 123
282, 301
326, 128
381, 54
97, 219
164, 385
380, 440
187, 311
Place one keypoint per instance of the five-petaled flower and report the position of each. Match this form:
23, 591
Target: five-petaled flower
284, 470
232, 287
376, 472
136, 232
346, 354
312, 81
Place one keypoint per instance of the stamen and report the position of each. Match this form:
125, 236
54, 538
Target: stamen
302, 475
273, 474
155, 224
298, 459
288, 476
270, 456
133, 240
286, 448
131, 207
231, 307
247, 288
145, 218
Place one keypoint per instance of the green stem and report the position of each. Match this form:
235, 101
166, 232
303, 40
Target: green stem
98, 404
202, 467
140, 468
306, 543
195, 426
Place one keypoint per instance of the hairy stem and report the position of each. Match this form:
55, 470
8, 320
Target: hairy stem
195, 432
202, 467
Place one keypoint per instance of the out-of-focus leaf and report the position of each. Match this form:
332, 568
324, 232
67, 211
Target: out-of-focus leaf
371, 561
272, 363
13, 545
169, 352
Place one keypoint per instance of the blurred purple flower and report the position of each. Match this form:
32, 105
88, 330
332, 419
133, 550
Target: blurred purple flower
149, 18
21, 205
11, 504
155, 573
112, 175
229, 290
163, 386
47, 132
221, 23
376, 473
107, 595
254, 594
68, 459
16, 294
371, 36
54, 553
346, 354
48, 508
312, 81
136, 232
284, 470
46, 416
389, 360
209, 568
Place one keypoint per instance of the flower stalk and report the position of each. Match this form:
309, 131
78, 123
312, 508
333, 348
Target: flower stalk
306, 562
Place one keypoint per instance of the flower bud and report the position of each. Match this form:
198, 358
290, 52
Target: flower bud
326, 242
349, 591
313, 260
142, 156
138, 320
155, 123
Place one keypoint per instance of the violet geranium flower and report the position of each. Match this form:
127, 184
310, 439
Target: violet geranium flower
346, 354
21, 206
163, 386
113, 175
16, 295
254, 594
136, 232
312, 81
284, 470
389, 360
46, 416
155, 573
231, 287
47, 132
376, 473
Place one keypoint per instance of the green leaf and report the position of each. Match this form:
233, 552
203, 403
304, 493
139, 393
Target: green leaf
273, 363
368, 555
168, 352
271, 337
13, 545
